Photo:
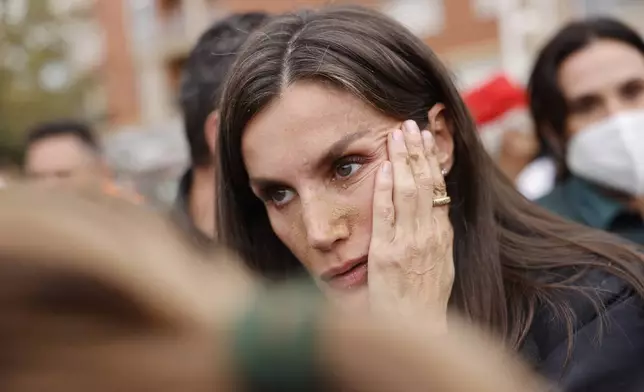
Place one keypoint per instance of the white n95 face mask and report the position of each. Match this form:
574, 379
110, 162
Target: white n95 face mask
611, 153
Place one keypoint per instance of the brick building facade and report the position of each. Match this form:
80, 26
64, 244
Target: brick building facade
141, 80
147, 40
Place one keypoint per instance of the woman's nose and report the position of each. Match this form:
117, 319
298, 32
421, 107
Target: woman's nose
324, 227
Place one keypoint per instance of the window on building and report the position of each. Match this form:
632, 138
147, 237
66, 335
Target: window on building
484, 9
599, 7
425, 18
628, 11
143, 15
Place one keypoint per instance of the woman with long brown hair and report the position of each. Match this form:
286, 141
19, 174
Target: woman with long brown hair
101, 296
346, 151
587, 101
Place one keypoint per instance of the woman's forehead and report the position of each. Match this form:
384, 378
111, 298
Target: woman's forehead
314, 102
601, 65
308, 117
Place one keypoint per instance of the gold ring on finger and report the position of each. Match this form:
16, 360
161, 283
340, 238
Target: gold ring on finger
441, 201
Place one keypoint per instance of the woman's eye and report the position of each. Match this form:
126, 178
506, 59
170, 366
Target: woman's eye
281, 196
347, 169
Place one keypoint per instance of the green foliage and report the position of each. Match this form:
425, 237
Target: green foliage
10, 150
27, 47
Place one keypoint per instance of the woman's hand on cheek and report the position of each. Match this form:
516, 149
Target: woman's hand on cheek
411, 267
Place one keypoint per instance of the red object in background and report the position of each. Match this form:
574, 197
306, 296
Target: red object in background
494, 98
111, 189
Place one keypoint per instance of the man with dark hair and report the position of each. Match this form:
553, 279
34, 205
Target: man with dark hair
202, 80
64, 153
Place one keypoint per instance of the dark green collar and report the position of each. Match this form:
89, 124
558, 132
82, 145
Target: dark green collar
181, 211
595, 208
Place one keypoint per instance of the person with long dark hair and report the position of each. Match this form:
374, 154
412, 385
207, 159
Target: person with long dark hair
202, 79
346, 151
587, 100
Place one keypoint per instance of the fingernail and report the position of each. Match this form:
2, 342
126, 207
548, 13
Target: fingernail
410, 126
397, 135
386, 168
428, 138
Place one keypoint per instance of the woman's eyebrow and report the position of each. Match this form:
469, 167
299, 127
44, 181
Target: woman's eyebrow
338, 148
263, 183
333, 153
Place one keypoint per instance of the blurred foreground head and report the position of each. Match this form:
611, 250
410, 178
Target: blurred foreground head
100, 295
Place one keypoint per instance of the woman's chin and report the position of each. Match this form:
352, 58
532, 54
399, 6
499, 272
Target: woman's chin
356, 299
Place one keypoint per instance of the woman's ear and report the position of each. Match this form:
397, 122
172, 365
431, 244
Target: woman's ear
441, 129
211, 130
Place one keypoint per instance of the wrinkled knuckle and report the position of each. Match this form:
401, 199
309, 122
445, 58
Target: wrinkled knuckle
409, 192
419, 149
403, 155
388, 214
424, 181
413, 251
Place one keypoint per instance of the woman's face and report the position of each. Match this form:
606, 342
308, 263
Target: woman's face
311, 157
601, 80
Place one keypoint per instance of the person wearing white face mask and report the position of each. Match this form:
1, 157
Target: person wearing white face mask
587, 101
611, 153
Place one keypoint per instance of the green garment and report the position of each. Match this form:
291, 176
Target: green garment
584, 203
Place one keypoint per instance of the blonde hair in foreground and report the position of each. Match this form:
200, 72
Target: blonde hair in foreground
101, 295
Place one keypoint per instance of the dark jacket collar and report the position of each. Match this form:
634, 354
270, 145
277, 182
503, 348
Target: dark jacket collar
181, 210
596, 208
586, 203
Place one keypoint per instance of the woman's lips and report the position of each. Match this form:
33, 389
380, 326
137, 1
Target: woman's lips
353, 278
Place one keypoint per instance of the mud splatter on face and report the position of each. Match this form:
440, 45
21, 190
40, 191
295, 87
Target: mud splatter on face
345, 212
286, 144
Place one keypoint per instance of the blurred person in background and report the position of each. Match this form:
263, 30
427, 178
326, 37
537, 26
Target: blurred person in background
66, 154
202, 79
347, 153
587, 100
4, 180
7, 173
115, 300
10, 158
501, 112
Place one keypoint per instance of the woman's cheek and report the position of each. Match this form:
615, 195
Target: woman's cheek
284, 226
361, 202
287, 225
366, 178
